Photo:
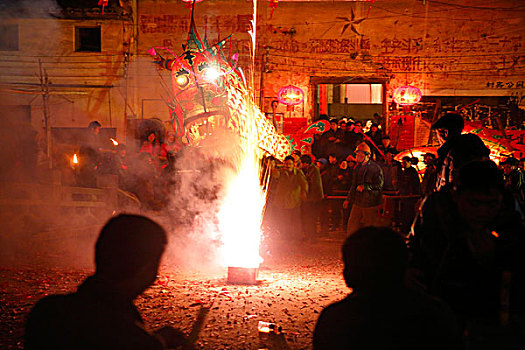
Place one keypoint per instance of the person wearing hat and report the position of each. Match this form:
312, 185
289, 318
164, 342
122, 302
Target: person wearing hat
456, 149
365, 191
514, 179
321, 162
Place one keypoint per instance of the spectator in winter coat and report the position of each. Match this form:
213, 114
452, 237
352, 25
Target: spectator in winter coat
365, 191
312, 205
291, 190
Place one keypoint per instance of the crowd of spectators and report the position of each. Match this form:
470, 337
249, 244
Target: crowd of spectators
312, 195
397, 185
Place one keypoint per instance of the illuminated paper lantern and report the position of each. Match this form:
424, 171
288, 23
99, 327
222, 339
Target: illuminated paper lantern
290, 95
407, 95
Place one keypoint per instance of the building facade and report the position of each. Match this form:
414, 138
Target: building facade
67, 63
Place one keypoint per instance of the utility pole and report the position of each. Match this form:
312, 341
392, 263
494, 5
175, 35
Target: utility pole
44, 85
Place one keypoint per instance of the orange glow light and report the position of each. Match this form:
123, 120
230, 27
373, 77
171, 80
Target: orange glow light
407, 95
495, 234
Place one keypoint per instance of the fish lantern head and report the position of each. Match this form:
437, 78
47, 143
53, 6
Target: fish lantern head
200, 78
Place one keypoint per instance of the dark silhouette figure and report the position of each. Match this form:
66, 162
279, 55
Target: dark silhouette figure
514, 179
90, 154
101, 313
381, 312
429, 177
467, 248
409, 185
456, 149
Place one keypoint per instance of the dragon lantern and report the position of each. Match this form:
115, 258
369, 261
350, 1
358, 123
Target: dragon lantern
210, 93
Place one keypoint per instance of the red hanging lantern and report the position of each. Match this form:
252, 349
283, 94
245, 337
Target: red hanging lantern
290, 95
407, 95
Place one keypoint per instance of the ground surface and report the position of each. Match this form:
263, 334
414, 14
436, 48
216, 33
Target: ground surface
296, 282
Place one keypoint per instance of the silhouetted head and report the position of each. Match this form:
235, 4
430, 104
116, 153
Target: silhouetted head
334, 124
509, 164
374, 258
448, 126
429, 158
478, 193
306, 159
406, 162
296, 154
94, 127
129, 248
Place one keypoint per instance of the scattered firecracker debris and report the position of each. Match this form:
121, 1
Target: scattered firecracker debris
296, 287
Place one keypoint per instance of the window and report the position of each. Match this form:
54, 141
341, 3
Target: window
9, 37
87, 39
358, 101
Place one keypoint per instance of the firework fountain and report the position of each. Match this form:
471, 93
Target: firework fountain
210, 104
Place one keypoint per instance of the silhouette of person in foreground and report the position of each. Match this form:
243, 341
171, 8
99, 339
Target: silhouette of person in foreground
467, 247
101, 313
381, 312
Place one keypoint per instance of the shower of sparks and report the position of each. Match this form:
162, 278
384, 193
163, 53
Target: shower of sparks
240, 215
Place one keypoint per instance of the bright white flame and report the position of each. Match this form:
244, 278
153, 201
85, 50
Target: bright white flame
75, 159
211, 74
240, 217
115, 142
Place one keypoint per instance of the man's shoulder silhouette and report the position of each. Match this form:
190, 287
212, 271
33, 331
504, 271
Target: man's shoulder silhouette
87, 319
101, 313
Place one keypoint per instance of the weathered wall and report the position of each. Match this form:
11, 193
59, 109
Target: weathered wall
458, 49
474, 48
82, 86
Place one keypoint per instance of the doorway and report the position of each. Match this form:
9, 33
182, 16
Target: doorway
350, 98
